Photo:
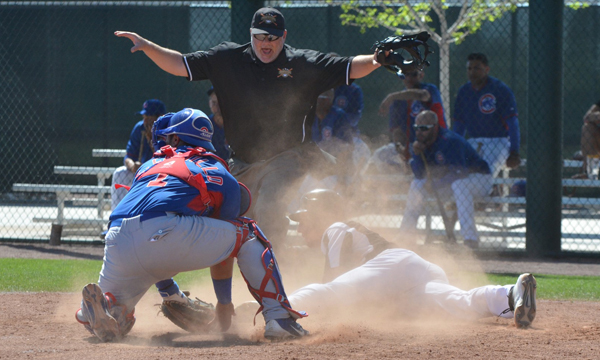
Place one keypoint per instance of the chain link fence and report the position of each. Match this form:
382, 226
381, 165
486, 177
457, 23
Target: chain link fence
71, 86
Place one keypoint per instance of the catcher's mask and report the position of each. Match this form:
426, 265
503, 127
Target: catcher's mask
191, 125
160, 124
318, 202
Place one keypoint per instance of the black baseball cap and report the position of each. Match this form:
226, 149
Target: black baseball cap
268, 21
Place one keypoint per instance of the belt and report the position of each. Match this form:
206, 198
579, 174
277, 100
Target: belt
143, 217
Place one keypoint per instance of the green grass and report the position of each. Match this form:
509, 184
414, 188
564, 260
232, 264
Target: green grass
22, 275
557, 287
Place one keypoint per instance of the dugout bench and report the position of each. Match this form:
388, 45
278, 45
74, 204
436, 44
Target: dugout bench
76, 194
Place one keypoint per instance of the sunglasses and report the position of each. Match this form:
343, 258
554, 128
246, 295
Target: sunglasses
412, 74
263, 37
422, 127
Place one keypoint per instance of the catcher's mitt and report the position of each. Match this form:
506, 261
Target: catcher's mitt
193, 316
397, 63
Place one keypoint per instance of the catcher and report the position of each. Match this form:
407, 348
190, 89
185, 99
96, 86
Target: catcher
162, 227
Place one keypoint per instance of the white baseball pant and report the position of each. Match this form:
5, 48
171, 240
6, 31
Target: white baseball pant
403, 278
465, 192
494, 151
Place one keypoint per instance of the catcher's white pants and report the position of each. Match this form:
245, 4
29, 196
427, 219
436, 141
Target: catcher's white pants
494, 151
465, 192
402, 278
140, 253
120, 176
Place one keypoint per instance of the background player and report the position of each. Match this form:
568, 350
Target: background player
486, 110
161, 228
139, 149
365, 272
590, 142
455, 169
404, 106
266, 89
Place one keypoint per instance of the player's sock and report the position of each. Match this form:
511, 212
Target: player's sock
168, 288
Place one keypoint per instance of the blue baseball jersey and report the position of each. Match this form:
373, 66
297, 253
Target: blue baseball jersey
219, 141
166, 193
487, 113
335, 124
402, 113
137, 139
350, 99
449, 158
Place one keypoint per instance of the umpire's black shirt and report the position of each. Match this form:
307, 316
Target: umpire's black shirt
264, 106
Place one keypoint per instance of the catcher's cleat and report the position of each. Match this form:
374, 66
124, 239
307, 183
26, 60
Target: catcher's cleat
280, 329
83, 321
95, 308
521, 300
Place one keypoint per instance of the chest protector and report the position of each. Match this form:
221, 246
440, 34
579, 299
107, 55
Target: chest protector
174, 165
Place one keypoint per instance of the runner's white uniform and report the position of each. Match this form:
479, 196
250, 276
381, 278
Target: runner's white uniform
398, 275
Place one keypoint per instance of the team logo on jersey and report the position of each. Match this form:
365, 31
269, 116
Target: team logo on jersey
341, 102
487, 103
285, 73
439, 158
415, 108
268, 19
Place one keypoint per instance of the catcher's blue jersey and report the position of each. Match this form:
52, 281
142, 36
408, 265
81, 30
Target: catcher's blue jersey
487, 113
167, 193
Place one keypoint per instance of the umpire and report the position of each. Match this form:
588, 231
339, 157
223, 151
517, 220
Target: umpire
266, 92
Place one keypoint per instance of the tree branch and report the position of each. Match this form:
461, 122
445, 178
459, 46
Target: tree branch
461, 15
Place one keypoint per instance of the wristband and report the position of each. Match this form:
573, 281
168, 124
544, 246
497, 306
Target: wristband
223, 290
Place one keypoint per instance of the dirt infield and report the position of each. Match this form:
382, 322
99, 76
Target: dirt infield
42, 325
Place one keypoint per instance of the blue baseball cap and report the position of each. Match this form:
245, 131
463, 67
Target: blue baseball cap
153, 107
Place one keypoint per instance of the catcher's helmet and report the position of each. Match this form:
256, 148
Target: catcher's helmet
318, 201
191, 125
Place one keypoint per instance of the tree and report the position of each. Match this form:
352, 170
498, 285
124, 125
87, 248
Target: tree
409, 17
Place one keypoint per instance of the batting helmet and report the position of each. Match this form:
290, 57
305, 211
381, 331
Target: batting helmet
191, 125
318, 201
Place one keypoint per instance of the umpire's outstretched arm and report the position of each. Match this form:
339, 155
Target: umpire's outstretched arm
169, 60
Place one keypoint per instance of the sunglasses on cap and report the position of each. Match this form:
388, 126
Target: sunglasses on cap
422, 127
263, 37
